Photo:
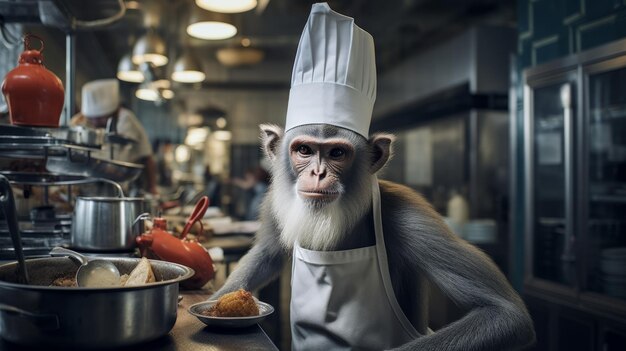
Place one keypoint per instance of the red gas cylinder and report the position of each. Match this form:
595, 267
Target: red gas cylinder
33, 93
160, 244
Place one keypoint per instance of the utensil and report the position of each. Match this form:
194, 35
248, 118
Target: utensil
63, 318
91, 273
196, 309
196, 215
7, 202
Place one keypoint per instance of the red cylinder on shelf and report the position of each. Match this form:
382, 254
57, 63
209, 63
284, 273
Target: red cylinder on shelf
33, 93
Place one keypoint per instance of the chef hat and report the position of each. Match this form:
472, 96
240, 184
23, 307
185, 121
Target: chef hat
334, 74
100, 97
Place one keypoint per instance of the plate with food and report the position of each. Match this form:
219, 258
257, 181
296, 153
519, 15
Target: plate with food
236, 309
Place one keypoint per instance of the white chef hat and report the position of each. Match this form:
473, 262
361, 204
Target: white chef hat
100, 97
334, 74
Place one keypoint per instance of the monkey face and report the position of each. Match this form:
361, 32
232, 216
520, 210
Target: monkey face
319, 165
321, 181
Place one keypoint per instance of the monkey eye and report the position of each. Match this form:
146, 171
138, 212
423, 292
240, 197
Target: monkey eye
337, 152
304, 150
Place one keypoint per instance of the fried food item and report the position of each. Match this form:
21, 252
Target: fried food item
141, 274
65, 281
238, 303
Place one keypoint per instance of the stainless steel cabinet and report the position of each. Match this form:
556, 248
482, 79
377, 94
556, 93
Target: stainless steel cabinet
575, 198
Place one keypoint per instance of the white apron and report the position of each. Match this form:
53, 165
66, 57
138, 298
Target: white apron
344, 300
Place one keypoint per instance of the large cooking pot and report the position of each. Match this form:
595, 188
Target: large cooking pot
57, 317
105, 223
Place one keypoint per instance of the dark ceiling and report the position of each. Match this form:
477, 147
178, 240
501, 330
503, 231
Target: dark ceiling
399, 27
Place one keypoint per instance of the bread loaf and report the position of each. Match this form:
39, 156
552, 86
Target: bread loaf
142, 274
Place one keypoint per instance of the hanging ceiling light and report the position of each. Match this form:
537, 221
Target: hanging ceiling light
128, 71
210, 25
227, 6
147, 93
196, 136
167, 94
150, 48
155, 91
187, 69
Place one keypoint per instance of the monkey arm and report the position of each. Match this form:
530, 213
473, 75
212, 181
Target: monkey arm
260, 265
497, 318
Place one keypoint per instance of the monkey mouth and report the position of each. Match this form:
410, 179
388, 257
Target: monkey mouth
319, 195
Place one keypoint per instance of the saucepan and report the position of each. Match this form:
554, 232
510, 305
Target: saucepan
106, 223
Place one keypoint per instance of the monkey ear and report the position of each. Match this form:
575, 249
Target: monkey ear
381, 150
270, 138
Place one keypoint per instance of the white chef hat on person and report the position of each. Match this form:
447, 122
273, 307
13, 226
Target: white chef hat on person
334, 74
100, 97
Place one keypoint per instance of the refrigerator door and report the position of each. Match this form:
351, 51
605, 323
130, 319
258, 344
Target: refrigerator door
605, 249
550, 120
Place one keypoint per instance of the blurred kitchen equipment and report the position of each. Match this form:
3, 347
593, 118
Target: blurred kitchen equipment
80, 135
49, 179
41, 225
161, 244
87, 165
34, 94
95, 273
64, 152
8, 208
480, 231
81, 318
613, 266
105, 223
457, 209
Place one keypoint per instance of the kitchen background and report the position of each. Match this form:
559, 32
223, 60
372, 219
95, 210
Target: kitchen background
512, 107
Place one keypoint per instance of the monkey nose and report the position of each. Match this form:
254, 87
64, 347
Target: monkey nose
319, 172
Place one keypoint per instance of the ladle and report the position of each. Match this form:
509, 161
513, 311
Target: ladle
7, 202
91, 273
196, 215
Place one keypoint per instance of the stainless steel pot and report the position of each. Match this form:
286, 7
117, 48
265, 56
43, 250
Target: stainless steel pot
78, 318
105, 223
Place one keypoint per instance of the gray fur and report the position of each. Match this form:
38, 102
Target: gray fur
420, 248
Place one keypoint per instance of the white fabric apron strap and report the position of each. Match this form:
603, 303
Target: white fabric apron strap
344, 300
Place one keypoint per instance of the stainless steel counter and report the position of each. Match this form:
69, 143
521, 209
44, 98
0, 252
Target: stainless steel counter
191, 334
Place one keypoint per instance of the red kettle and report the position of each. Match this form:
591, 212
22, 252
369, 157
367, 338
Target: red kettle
161, 244
33, 93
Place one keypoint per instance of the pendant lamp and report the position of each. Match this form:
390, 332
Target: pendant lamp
187, 69
147, 93
227, 6
150, 48
210, 25
128, 71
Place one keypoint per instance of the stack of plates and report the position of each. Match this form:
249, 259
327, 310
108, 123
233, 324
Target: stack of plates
613, 265
480, 231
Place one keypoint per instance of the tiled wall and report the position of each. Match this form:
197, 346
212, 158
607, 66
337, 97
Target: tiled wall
549, 29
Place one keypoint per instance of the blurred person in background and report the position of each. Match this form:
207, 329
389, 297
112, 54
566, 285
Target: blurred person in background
255, 181
164, 150
101, 103
212, 188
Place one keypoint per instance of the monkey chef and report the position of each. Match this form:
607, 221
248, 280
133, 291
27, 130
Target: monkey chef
363, 250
